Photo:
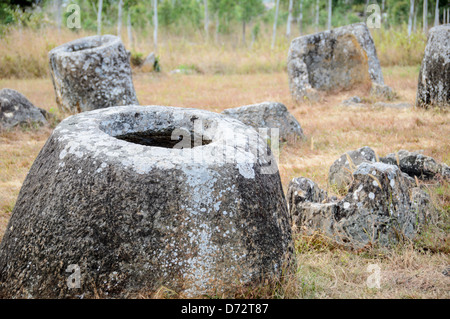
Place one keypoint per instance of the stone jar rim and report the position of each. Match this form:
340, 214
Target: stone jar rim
95, 134
86, 45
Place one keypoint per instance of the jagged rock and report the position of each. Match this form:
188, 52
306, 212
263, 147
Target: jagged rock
135, 207
434, 77
269, 115
340, 174
92, 73
16, 109
303, 190
417, 164
382, 206
332, 60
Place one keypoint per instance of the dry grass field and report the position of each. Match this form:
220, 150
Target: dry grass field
411, 270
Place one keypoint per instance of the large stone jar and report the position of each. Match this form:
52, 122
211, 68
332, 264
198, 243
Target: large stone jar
139, 197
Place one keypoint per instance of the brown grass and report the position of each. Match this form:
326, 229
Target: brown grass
23, 53
325, 271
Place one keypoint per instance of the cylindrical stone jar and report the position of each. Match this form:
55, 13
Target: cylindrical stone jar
138, 197
433, 89
92, 73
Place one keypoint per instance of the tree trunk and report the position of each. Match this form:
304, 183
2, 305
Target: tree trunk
436, 14
243, 33
205, 4
330, 13
289, 20
217, 26
300, 18
317, 16
253, 38
119, 19
58, 13
130, 30
416, 10
425, 16
274, 35
365, 7
411, 15
155, 24
99, 17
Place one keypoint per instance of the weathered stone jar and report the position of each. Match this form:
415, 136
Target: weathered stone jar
434, 77
333, 60
142, 196
92, 73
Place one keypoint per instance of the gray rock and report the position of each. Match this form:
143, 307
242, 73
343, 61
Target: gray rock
303, 190
446, 272
332, 60
150, 60
354, 99
269, 115
417, 164
92, 73
382, 91
383, 206
434, 77
340, 174
403, 105
118, 193
16, 109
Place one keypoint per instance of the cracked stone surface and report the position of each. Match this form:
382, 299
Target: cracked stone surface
92, 73
332, 60
269, 115
417, 164
303, 190
110, 193
340, 174
434, 77
383, 206
16, 109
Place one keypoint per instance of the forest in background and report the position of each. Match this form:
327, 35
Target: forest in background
248, 35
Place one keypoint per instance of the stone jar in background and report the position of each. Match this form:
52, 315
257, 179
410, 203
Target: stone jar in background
333, 60
434, 77
92, 73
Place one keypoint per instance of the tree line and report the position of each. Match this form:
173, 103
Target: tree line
215, 17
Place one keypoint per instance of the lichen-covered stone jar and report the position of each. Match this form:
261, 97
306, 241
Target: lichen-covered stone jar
140, 197
92, 73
